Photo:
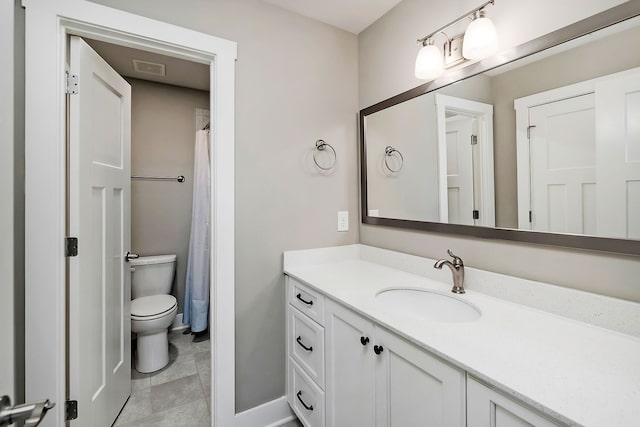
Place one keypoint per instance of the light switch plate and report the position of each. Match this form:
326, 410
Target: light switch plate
343, 220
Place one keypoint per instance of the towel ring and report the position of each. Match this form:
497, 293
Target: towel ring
390, 151
320, 146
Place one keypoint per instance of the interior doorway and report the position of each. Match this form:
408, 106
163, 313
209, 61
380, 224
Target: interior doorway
47, 25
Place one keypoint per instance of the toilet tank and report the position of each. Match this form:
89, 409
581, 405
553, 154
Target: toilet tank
152, 275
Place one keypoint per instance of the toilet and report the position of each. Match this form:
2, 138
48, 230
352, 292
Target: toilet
152, 309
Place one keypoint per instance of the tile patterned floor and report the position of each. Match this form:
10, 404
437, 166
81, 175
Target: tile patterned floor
177, 395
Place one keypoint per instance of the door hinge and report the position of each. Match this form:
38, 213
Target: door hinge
70, 410
474, 139
476, 214
71, 246
530, 216
529, 131
72, 84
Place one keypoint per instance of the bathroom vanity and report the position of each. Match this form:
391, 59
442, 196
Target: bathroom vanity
508, 352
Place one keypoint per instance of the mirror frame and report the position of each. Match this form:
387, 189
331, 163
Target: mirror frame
617, 14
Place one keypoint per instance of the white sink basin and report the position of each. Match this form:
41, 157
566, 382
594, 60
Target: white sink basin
428, 305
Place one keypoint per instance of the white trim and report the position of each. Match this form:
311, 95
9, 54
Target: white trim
484, 113
47, 25
522, 106
7, 221
270, 414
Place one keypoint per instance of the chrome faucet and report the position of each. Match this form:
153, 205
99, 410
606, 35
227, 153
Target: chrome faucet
457, 268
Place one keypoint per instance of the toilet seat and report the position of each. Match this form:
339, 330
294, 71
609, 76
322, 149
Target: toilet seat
152, 307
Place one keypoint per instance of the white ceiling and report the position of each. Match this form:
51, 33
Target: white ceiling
350, 15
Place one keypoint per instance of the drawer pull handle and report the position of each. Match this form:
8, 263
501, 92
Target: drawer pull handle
364, 340
308, 408
309, 303
377, 349
302, 345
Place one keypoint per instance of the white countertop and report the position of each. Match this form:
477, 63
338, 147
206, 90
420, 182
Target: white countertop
575, 372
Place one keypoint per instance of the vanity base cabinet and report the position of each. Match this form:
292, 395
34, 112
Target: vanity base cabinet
350, 368
415, 388
376, 378
489, 408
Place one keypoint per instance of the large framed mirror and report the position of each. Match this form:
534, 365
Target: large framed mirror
538, 144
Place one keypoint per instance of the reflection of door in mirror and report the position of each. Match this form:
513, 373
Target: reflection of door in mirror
579, 158
460, 200
465, 163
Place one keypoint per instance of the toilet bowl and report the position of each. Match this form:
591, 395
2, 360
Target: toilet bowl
152, 310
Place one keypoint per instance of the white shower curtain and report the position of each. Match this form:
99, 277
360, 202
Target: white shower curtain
196, 302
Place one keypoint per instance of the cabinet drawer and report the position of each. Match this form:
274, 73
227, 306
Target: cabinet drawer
306, 398
306, 300
306, 345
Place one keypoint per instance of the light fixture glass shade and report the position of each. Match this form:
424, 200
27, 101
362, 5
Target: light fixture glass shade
429, 63
480, 39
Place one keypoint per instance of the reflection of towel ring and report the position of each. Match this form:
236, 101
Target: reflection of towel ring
390, 151
320, 146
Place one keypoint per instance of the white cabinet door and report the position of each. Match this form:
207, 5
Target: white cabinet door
350, 369
414, 388
488, 408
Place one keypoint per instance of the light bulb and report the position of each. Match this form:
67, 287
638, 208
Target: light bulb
430, 62
480, 39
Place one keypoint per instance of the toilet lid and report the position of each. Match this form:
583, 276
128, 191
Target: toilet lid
153, 305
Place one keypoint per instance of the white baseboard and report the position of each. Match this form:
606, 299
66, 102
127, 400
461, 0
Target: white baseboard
177, 323
270, 414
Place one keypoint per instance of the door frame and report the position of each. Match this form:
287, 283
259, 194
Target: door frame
484, 114
47, 25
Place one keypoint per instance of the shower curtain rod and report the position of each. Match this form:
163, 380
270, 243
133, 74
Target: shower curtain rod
179, 178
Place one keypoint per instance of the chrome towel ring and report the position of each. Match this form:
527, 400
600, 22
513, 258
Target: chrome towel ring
388, 152
321, 146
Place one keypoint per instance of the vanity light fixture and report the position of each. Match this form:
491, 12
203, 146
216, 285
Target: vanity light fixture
480, 41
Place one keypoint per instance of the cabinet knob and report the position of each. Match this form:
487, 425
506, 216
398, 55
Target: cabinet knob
377, 349
364, 340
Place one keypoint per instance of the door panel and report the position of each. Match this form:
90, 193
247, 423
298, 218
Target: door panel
562, 150
100, 217
618, 133
460, 170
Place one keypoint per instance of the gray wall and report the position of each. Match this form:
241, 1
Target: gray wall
162, 143
387, 54
296, 82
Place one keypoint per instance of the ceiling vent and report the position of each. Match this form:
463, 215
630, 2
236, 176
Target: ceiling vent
148, 67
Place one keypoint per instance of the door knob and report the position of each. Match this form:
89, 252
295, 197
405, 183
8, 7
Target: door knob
30, 413
129, 256
377, 349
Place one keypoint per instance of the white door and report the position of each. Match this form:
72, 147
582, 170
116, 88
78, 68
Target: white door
460, 170
562, 146
618, 153
350, 369
100, 217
